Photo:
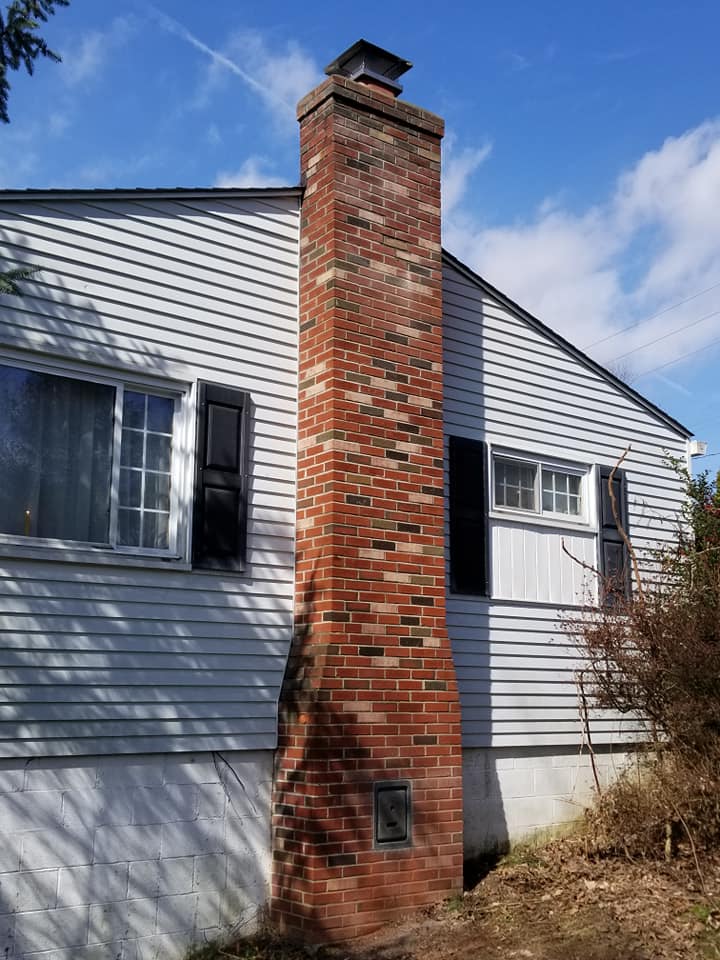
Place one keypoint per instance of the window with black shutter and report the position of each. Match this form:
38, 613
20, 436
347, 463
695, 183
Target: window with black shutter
468, 517
220, 508
614, 559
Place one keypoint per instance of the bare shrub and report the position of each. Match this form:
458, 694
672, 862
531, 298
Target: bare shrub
656, 655
657, 806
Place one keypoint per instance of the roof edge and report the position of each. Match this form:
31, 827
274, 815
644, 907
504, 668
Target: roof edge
157, 192
578, 354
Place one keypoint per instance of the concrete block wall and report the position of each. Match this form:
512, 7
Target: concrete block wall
510, 794
131, 858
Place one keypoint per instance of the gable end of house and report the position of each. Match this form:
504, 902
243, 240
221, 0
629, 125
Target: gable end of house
509, 304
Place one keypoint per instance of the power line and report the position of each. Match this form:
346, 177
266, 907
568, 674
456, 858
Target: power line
639, 323
665, 336
671, 363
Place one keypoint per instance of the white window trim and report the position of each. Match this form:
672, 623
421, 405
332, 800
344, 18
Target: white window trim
549, 518
184, 393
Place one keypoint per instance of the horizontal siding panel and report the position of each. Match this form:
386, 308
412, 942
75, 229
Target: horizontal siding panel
46, 662
80, 746
174, 226
258, 668
44, 711
103, 658
261, 382
187, 335
181, 696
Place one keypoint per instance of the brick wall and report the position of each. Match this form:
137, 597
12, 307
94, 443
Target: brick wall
130, 857
370, 691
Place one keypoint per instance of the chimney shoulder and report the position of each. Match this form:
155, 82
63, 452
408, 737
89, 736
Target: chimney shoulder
366, 98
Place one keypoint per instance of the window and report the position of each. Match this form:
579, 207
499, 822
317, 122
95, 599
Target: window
86, 461
515, 484
546, 489
101, 463
561, 492
145, 471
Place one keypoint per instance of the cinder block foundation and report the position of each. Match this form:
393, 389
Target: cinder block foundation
511, 794
131, 858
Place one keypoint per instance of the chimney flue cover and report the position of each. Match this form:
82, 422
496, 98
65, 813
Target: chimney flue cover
363, 61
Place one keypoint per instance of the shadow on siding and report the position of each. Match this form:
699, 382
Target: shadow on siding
111, 660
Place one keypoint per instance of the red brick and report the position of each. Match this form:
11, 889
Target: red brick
356, 704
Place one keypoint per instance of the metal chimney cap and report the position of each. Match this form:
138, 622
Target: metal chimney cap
364, 61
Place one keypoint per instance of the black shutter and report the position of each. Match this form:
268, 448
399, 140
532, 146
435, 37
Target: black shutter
614, 559
220, 508
468, 518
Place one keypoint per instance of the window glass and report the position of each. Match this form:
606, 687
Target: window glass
145, 462
532, 487
515, 484
56, 437
58, 444
561, 492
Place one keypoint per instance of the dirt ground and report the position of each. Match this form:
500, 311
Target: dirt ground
551, 903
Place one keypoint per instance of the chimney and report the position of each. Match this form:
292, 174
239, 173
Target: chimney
367, 794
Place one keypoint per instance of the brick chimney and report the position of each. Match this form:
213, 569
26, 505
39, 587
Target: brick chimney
367, 798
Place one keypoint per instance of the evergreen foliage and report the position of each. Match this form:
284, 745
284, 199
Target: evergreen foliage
20, 44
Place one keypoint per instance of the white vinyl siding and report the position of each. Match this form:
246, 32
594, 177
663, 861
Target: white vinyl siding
509, 384
105, 657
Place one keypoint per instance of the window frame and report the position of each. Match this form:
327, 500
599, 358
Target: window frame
583, 520
183, 393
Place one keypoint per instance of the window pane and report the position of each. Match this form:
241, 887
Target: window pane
157, 454
515, 484
128, 528
131, 450
55, 456
130, 488
160, 414
134, 410
527, 498
157, 491
149, 450
155, 530
562, 492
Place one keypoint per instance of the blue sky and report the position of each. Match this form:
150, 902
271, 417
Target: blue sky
581, 164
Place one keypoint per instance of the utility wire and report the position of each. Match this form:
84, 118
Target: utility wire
639, 323
665, 336
671, 363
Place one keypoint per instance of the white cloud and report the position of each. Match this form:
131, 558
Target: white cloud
277, 77
58, 122
654, 241
253, 173
89, 57
213, 135
114, 171
458, 168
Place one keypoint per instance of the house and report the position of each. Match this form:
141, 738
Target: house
242, 431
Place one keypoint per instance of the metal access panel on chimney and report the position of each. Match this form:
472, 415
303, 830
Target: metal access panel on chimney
392, 818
